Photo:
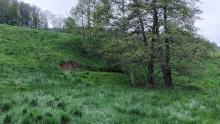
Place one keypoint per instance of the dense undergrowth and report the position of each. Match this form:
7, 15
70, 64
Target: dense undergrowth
35, 90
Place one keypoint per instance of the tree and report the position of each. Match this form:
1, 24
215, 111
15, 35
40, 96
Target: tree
12, 17
166, 69
155, 32
35, 13
25, 14
70, 25
138, 34
58, 22
183, 18
44, 19
4, 10
83, 13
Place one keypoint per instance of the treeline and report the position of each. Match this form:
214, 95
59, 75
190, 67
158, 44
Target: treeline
13, 12
22, 14
149, 39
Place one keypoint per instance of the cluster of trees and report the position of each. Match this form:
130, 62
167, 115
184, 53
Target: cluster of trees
157, 36
13, 12
22, 14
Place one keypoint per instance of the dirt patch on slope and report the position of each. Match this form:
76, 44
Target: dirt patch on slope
69, 65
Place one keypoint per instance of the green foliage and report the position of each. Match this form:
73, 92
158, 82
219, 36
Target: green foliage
145, 39
13, 15
18, 13
70, 25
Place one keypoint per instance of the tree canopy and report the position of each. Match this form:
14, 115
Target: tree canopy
153, 35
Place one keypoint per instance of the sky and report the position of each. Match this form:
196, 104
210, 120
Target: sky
208, 26
58, 7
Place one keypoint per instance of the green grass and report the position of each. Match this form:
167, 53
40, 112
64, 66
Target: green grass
34, 90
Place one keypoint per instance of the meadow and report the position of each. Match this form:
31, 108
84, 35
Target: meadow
35, 89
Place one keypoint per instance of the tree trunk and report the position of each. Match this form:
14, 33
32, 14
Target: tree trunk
166, 67
141, 22
150, 74
131, 73
89, 20
83, 27
142, 30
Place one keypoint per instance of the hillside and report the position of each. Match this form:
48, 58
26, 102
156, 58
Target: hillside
44, 79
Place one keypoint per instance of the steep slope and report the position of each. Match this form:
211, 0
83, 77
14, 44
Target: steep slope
44, 79
27, 51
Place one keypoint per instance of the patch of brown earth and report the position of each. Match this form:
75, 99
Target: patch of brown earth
69, 65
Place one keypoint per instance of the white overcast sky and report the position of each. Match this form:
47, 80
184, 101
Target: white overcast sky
209, 26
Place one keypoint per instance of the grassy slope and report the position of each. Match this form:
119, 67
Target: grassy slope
33, 90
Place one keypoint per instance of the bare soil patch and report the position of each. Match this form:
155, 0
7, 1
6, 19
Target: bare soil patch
69, 65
